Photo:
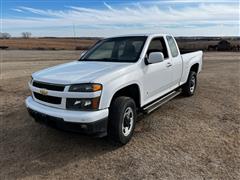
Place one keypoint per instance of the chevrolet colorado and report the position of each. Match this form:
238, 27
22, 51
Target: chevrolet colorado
102, 92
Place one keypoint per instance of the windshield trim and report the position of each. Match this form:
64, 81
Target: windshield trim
83, 58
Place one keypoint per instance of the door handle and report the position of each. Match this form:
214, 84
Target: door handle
169, 64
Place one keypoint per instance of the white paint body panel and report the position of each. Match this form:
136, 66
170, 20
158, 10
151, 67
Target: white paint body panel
153, 80
66, 115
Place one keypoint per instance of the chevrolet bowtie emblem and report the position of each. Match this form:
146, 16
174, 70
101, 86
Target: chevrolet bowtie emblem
43, 92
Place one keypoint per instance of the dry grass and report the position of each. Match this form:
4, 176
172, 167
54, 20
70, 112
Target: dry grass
80, 44
47, 44
187, 138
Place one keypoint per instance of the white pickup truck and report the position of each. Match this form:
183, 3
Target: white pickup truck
119, 77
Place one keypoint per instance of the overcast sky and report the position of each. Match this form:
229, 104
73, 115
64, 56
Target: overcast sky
108, 18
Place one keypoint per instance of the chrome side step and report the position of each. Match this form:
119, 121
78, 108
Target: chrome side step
153, 106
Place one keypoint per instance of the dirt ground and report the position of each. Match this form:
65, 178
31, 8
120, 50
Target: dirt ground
187, 138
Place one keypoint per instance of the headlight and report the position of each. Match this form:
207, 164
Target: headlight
83, 103
87, 87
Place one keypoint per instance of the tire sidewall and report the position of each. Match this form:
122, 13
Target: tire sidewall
192, 74
116, 114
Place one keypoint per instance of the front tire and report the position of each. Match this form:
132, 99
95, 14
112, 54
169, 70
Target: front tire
190, 86
122, 118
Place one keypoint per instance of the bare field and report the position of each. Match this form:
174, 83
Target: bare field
85, 43
47, 43
187, 138
202, 44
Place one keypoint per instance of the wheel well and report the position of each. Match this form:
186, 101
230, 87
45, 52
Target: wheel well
194, 68
129, 91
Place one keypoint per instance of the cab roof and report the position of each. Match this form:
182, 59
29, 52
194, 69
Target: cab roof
146, 35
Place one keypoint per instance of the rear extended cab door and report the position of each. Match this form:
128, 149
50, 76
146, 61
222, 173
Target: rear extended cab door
176, 61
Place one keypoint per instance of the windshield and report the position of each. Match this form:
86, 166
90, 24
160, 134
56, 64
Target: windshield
120, 49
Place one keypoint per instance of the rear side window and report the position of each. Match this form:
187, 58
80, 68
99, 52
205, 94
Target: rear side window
158, 45
172, 46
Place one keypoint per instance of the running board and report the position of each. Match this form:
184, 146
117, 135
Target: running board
153, 106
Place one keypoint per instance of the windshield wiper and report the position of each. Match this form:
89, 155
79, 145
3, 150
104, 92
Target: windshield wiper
102, 59
108, 60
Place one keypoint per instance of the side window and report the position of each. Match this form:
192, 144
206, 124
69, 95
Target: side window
158, 45
172, 46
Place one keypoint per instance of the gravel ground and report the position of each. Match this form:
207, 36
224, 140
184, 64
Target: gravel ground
187, 138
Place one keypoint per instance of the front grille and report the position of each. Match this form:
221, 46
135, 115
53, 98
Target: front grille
48, 99
53, 87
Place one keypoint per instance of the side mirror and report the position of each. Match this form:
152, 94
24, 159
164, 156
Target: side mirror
82, 54
155, 57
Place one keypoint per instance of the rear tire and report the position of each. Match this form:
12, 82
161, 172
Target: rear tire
190, 86
122, 118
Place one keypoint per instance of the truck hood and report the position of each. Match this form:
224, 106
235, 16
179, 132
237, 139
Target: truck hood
78, 72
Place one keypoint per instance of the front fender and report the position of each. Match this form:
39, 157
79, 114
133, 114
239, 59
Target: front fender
113, 87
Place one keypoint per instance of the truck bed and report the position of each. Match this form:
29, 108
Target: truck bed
188, 59
185, 51
188, 56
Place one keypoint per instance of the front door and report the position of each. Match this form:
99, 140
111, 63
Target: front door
157, 77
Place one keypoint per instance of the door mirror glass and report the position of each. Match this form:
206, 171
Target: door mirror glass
155, 57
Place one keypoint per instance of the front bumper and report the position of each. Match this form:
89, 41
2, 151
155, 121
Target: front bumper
90, 122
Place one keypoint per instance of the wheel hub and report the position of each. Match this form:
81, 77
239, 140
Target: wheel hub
192, 84
127, 121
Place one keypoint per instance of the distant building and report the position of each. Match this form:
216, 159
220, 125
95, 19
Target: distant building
212, 47
224, 45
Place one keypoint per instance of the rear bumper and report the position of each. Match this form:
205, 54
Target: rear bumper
89, 122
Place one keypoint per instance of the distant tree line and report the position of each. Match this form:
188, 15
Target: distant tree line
26, 35
5, 35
